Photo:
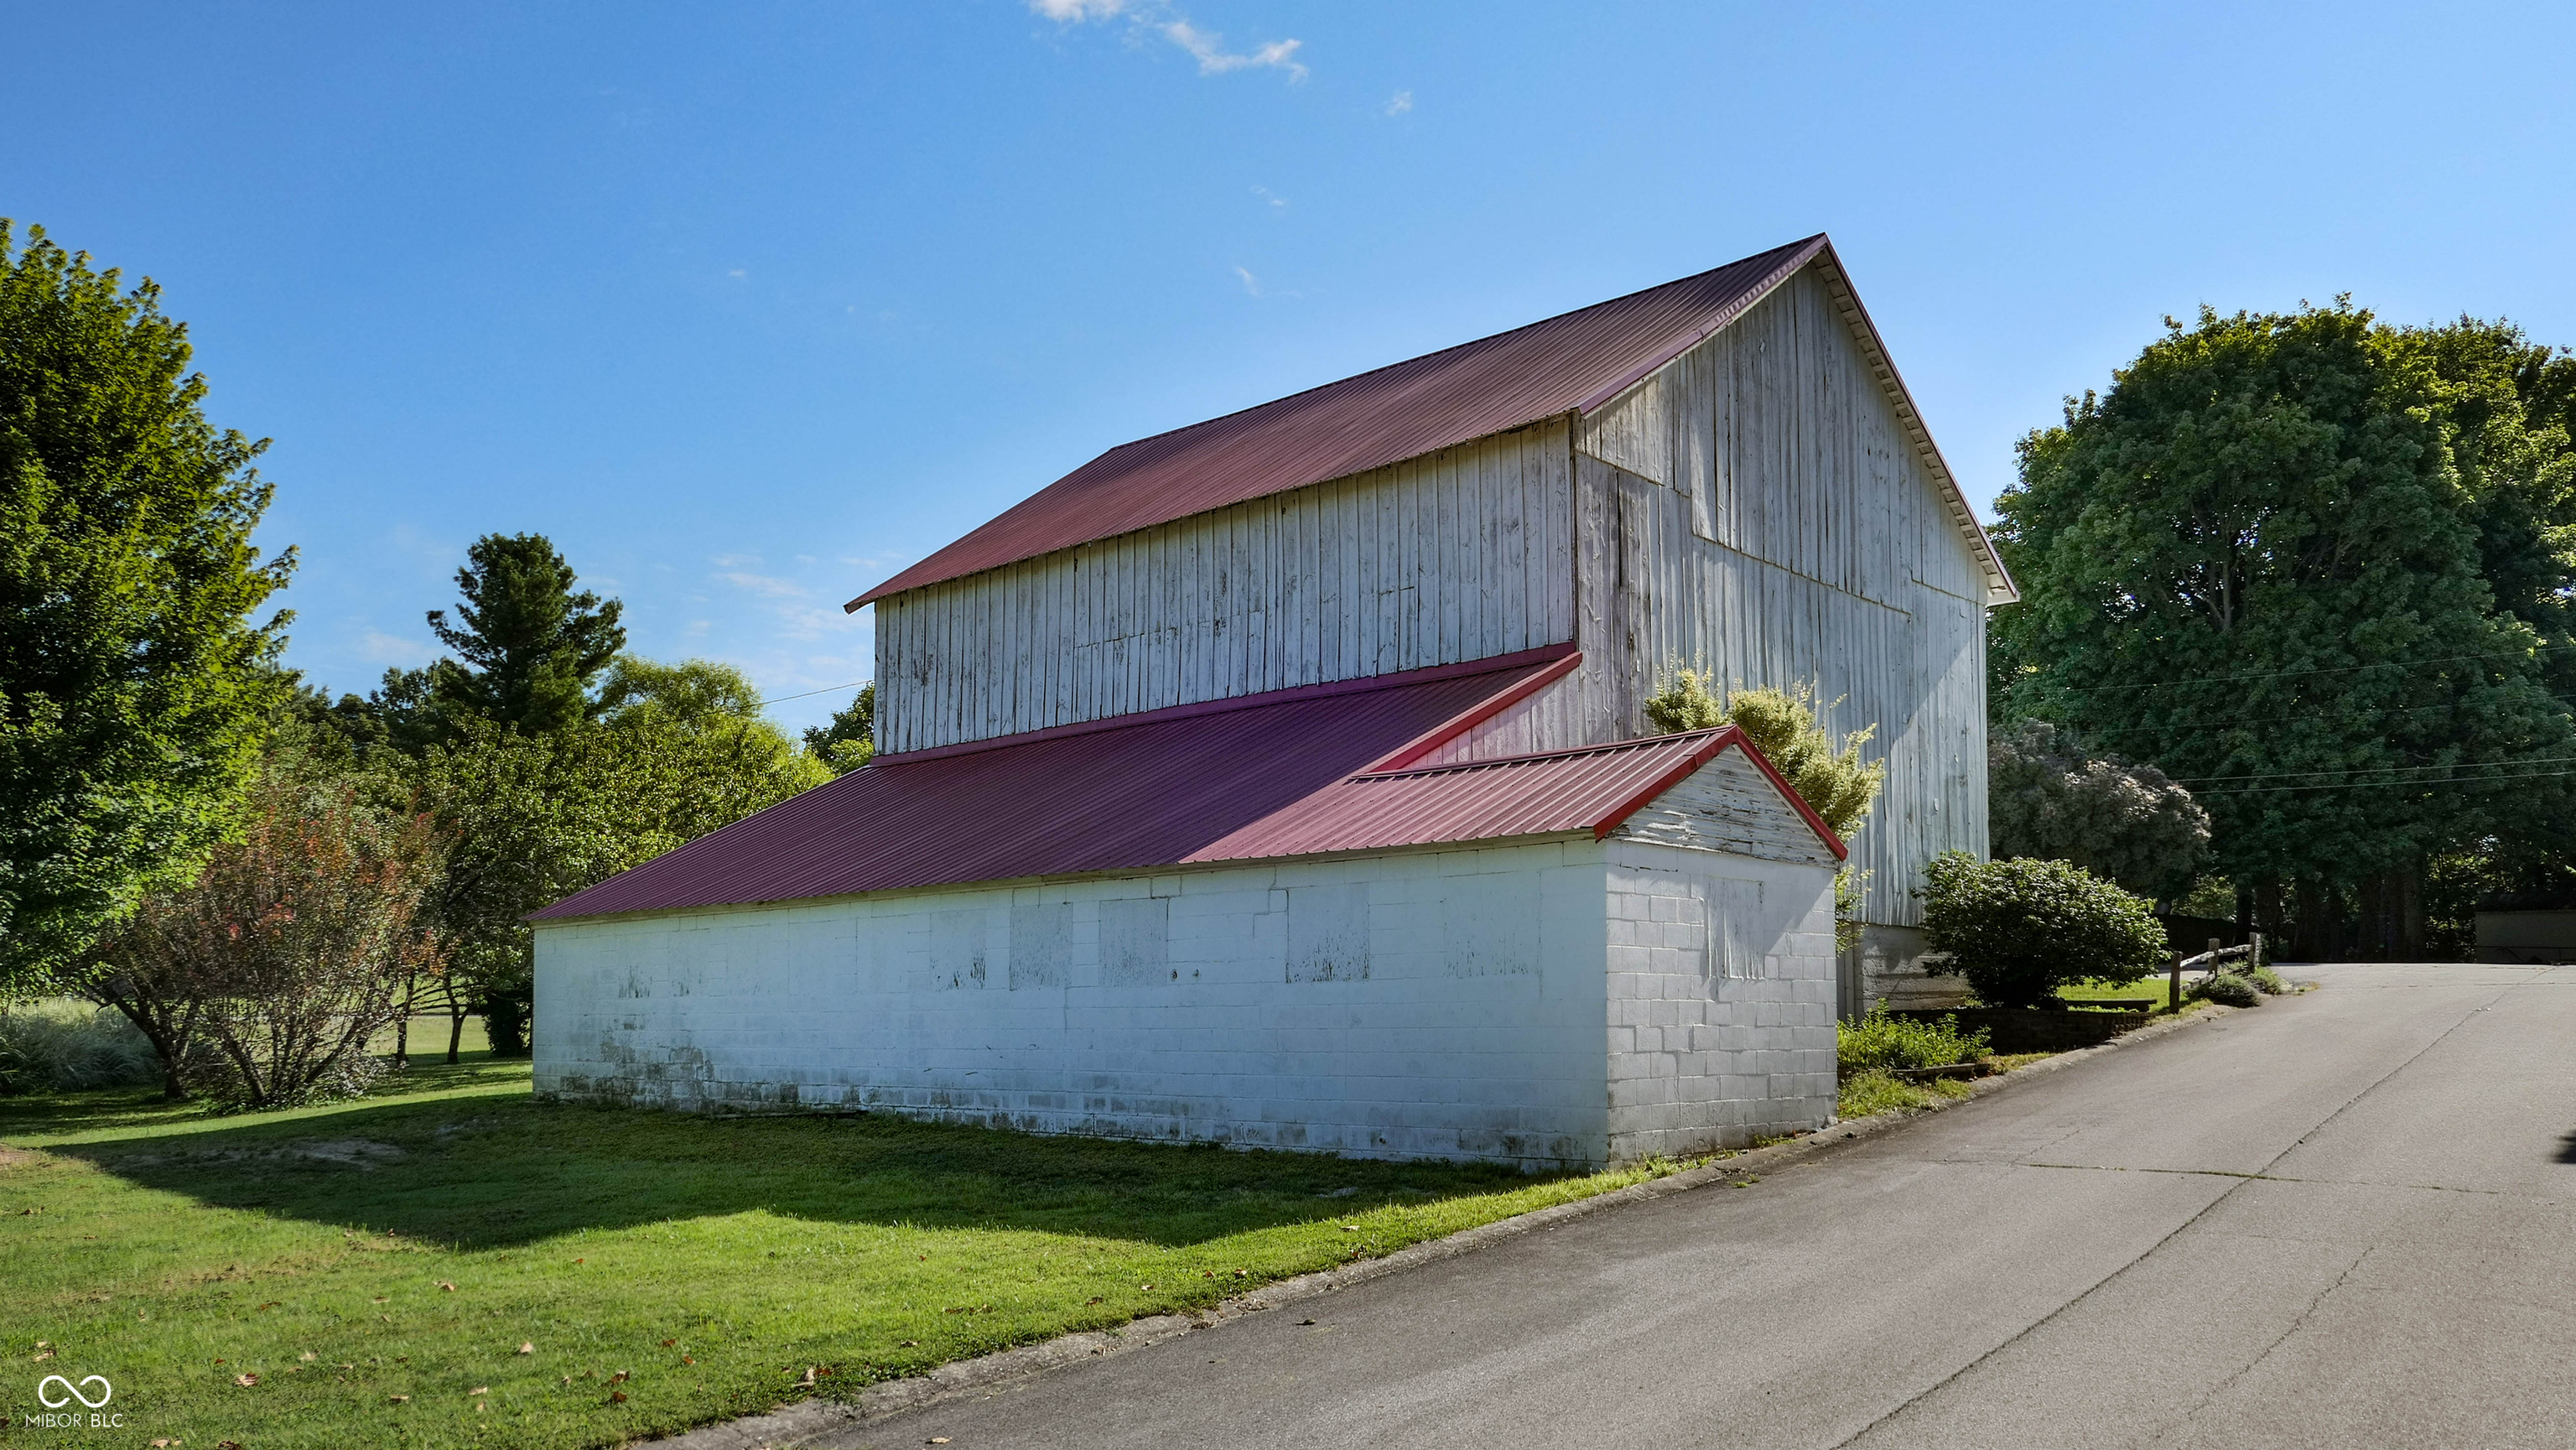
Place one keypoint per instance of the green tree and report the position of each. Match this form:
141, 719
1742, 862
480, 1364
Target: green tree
527, 647
850, 741
534, 818
134, 686
2253, 562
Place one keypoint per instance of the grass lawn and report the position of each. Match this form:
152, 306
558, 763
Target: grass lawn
2157, 989
377, 1265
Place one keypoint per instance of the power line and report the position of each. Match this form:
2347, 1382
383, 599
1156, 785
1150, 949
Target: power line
2382, 769
2320, 670
2367, 784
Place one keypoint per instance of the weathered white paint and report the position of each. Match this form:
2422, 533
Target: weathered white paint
1459, 555
1756, 509
1547, 1003
1729, 805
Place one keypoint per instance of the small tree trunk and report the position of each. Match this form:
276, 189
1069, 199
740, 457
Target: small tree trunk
402, 1026
455, 1029
2408, 884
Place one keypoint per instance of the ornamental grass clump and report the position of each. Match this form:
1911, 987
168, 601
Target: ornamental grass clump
2228, 989
2018, 930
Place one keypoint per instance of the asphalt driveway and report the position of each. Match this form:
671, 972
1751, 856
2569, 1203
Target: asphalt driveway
2344, 1219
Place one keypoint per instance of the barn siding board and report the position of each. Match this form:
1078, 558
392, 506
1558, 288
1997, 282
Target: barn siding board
1833, 559
1423, 563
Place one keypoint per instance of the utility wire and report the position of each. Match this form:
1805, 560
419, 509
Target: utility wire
2382, 769
2320, 670
2476, 780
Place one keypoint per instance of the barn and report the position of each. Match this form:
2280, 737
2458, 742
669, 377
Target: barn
1283, 779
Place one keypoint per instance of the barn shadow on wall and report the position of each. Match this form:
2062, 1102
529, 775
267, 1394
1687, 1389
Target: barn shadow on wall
490, 1173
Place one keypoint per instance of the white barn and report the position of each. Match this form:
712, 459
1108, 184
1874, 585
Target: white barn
1279, 780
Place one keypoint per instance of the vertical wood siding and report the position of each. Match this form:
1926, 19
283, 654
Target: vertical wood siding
1755, 509
1457, 556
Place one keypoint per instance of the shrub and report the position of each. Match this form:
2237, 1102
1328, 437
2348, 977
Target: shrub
69, 1046
2268, 981
1880, 1042
2229, 989
2018, 930
2048, 795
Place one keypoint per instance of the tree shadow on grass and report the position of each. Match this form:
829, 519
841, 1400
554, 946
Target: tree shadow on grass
495, 1171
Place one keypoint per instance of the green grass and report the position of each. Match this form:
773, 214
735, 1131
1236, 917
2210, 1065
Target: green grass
2158, 989
711, 1261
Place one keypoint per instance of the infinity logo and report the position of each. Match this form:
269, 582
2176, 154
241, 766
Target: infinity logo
72, 1391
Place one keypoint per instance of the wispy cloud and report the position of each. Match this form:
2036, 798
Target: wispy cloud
1265, 193
1251, 283
379, 648
1208, 49
1204, 46
1402, 102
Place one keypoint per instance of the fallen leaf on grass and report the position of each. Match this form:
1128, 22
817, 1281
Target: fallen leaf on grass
166, 1444
620, 1377
911, 1344
224, 1444
308, 1356
46, 1354
245, 1380
809, 1376
1094, 1299
271, 1304
617, 1397
666, 1344
380, 1298
688, 1359
444, 1284
479, 1390
527, 1346
397, 1399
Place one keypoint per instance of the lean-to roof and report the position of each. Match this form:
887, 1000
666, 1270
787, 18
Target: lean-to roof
1297, 772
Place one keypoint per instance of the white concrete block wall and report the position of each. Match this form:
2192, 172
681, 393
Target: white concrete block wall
1721, 980
1448, 1004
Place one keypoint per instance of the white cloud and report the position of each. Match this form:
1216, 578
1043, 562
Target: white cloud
1251, 283
736, 272
1265, 194
379, 648
1208, 49
1204, 46
1402, 103
766, 585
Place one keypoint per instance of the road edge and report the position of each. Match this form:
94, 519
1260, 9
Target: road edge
801, 1422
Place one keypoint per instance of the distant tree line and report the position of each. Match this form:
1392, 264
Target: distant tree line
261, 877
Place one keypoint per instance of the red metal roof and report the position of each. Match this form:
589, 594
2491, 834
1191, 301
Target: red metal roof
1291, 773
1572, 363
1129, 793
1590, 789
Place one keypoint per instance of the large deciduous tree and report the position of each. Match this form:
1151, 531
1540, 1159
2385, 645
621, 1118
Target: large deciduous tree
2257, 560
133, 680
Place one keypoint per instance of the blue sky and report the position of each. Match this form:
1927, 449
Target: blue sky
747, 306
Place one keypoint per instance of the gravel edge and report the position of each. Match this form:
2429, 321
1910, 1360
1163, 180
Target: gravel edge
800, 1423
